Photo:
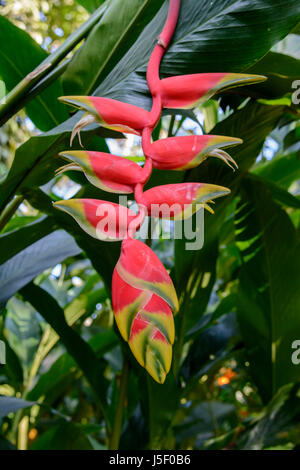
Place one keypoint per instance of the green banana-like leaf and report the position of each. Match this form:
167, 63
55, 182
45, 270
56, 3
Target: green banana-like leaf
268, 297
20, 55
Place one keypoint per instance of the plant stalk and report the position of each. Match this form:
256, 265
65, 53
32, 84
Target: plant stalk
27, 83
36, 90
117, 428
10, 210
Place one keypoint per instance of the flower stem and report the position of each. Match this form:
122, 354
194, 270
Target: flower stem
117, 428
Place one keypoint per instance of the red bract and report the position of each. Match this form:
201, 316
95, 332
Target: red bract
108, 172
146, 322
142, 269
181, 153
101, 219
142, 294
188, 91
115, 115
180, 201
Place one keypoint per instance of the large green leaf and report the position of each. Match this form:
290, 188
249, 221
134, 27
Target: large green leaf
281, 71
27, 264
282, 170
110, 39
12, 368
269, 295
79, 349
278, 193
227, 35
17, 240
195, 271
19, 55
23, 332
162, 402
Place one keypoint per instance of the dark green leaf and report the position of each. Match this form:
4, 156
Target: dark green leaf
26, 265
12, 368
75, 345
110, 39
16, 241
6, 445
282, 170
278, 193
20, 55
278, 422
268, 297
195, 271
281, 71
23, 332
215, 341
63, 370
221, 36
203, 421
63, 436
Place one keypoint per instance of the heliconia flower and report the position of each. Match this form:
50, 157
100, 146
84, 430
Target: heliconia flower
181, 153
187, 91
142, 293
102, 219
108, 172
181, 200
140, 267
115, 115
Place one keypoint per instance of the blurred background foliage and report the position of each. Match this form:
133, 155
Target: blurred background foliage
233, 383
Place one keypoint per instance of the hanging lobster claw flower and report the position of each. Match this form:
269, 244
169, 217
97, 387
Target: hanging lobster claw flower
102, 219
115, 115
188, 91
181, 153
182, 200
141, 293
140, 267
108, 172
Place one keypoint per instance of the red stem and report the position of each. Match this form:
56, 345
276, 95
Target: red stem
153, 81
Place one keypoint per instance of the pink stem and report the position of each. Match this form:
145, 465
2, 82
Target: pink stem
153, 81
163, 43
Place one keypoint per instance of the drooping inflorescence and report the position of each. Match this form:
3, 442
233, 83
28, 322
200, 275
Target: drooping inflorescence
143, 294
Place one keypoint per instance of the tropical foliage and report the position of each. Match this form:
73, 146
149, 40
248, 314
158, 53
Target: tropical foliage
69, 380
